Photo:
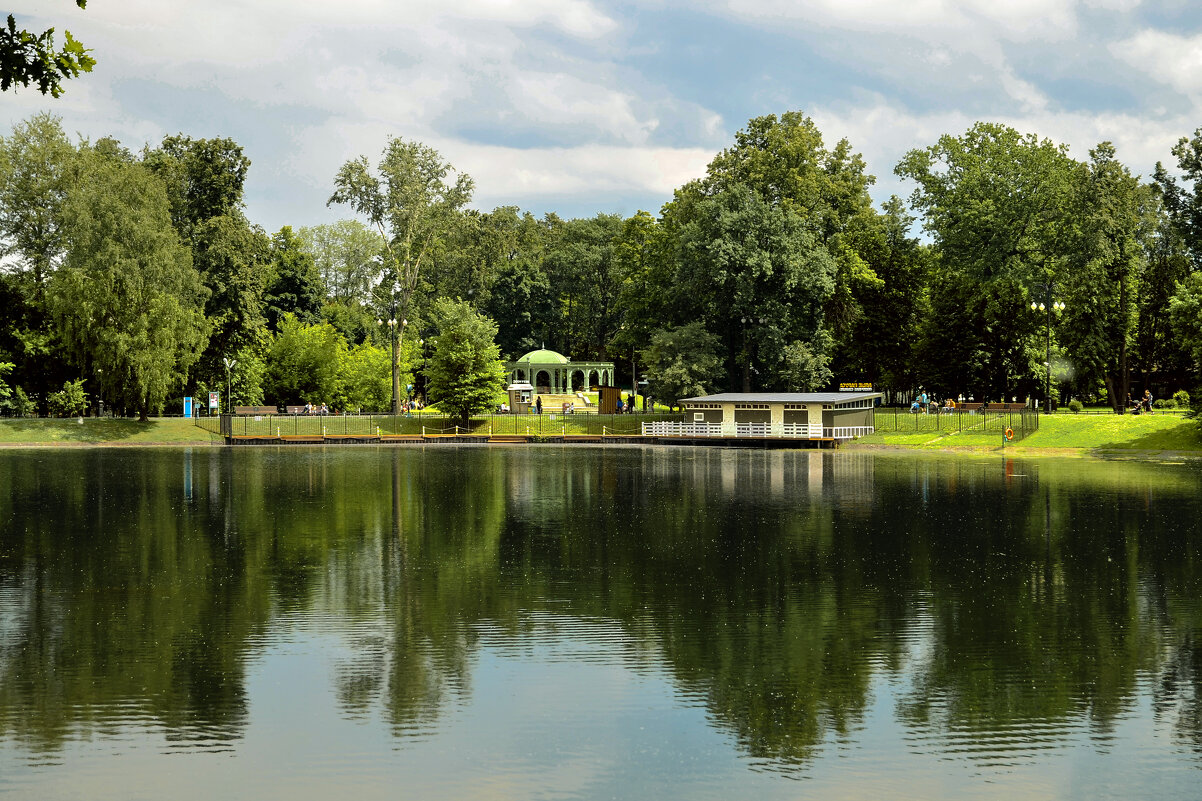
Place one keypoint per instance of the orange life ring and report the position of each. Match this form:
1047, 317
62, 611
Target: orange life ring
1009, 434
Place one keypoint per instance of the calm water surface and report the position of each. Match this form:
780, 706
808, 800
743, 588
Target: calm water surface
569, 623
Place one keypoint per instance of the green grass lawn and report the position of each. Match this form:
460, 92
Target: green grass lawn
92, 431
1151, 432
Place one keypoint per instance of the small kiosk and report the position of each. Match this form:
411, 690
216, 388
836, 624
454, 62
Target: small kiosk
520, 397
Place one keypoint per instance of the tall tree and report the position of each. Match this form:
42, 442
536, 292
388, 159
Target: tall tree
882, 343
753, 272
1112, 220
204, 178
519, 295
37, 163
27, 58
347, 255
994, 202
296, 286
682, 362
413, 200
583, 274
128, 304
465, 374
785, 161
234, 262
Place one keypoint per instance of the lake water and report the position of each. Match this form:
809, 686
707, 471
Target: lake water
578, 623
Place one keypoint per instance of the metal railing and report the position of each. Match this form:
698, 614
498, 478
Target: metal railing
372, 425
1022, 422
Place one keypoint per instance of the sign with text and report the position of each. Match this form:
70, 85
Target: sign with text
214, 400
188, 407
855, 386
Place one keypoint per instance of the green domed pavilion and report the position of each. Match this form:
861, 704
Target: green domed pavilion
552, 373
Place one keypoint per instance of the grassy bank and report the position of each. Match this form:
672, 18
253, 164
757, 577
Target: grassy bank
1061, 434
104, 431
1065, 433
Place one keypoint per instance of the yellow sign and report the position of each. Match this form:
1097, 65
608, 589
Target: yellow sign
855, 386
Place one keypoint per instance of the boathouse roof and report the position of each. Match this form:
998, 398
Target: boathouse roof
783, 397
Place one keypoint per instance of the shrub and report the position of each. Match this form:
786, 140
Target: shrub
1181, 398
1164, 403
22, 405
1075, 406
69, 401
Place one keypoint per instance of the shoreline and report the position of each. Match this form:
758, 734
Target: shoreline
1015, 451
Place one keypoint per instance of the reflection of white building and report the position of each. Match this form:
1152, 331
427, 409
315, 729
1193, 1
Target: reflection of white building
553, 373
803, 415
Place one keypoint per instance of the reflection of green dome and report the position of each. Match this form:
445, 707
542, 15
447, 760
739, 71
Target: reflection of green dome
544, 357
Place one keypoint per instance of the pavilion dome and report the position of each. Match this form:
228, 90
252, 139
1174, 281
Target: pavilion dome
544, 357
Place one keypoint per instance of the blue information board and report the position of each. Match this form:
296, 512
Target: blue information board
188, 406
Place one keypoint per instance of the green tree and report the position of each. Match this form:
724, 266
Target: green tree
363, 378
785, 161
233, 259
1112, 220
1161, 357
34, 58
69, 401
303, 362
296, 286
412, 200
682, 362
347, 255
994, 202
6, 392
519, 294
127, 300
884, 337
37, 163
753, 272
464, 374
204, 178
584, 279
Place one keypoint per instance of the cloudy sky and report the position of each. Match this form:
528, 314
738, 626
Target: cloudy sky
580, 107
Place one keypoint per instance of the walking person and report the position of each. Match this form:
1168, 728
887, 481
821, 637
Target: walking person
538, 405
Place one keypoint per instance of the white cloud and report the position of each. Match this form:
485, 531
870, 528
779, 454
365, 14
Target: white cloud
883, 132
1166, 57
506, 175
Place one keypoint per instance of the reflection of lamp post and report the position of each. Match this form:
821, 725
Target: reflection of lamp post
1046, 306
230, 364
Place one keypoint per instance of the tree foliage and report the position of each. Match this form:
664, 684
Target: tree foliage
464, 373
128, 304
27, 58
682, 362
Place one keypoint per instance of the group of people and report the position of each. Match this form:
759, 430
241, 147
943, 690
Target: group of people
1140, 405
312, 409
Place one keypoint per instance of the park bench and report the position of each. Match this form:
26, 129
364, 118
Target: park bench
255, 410
969, 407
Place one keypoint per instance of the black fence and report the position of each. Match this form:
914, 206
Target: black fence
1020, 422
378, 424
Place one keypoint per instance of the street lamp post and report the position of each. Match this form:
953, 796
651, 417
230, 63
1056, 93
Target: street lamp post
230, 364
396, 375
1047, 305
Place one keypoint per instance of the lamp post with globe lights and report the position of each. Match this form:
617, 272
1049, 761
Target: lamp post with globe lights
1047, 305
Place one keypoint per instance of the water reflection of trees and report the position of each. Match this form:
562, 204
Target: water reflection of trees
775, 586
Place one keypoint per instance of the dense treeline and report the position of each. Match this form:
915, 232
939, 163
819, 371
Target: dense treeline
132, 278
